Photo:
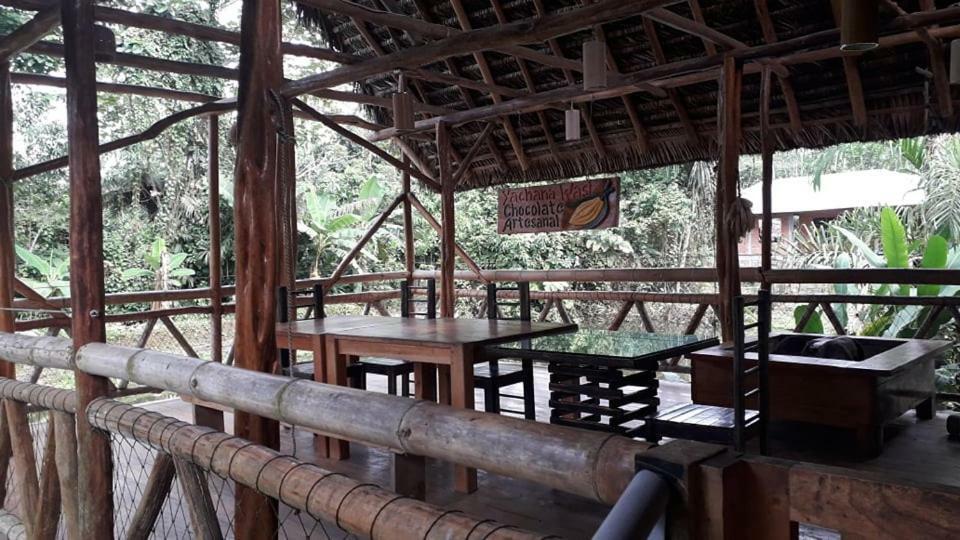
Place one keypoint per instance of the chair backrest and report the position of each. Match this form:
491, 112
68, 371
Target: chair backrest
409, 300
287, 298
742, 391
522, 304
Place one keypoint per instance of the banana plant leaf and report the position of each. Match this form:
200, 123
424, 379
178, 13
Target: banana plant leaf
813, 326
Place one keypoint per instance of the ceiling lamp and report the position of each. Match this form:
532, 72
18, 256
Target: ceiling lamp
859, 24
572, 123
955, 62
594, 65
403, 110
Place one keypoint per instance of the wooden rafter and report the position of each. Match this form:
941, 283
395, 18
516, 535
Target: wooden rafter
650, 31
568, 75
467, 98
29, 33
694, 28
851, 72
534, 31
786, 85
814, 47
471, 155
639, 130
527, 77
938, 63
487, 74
182, 28
697, 13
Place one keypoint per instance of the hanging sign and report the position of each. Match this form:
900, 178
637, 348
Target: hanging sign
570, 206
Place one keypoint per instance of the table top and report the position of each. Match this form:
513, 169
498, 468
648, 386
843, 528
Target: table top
610, 348
432, 331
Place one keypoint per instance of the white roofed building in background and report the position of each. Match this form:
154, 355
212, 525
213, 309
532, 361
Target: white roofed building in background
796, 203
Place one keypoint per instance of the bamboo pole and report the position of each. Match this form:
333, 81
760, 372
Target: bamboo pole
257, 241
360, 509
591, 464
86, 259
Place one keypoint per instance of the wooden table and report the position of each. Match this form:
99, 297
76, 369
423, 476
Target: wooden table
450, 345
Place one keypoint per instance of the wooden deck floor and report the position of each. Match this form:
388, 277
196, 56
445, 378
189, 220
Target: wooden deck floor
915, 450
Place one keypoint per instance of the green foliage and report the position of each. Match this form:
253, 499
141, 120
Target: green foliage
164, 268
813, 326
50, 276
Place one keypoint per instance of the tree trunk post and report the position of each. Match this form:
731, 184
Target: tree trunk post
256, 187
766, 154
409, 249
95, 458
728, 267
447, 224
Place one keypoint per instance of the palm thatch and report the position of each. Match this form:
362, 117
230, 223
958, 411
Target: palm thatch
681, 127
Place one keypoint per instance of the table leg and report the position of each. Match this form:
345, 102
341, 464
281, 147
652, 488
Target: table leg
426, 381
461, 396
336, 374
321, 443
443, 384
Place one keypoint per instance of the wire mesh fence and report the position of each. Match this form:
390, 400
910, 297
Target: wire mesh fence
136, 462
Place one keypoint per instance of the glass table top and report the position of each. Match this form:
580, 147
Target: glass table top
608, 343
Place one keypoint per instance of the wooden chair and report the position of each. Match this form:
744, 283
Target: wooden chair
491, 376
725, 425
399, 369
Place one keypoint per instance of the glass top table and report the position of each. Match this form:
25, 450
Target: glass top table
619, 349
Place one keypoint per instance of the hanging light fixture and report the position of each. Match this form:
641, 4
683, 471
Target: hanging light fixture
402, 110
594, 65
402, 105
955, 62
572, 123
859, 25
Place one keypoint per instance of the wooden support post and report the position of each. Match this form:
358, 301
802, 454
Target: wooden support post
6, 453
208, 416
7, 254
25, 462
728, 267
95, 460
447, 224
766, 177
409, 249
257, 239
47, 519
410, 475
154, 495
620, 316
65, 430
196, 493
214, 259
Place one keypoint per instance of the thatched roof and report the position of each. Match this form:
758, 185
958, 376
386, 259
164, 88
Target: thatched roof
681, 125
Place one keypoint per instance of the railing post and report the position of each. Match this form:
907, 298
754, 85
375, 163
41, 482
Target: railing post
95, 459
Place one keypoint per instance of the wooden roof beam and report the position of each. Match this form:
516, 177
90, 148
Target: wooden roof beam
697, 12
639, 130
471, 155
182, 28
676, 99
786, 85
29, 33
488, 78
810, 48
430, 29
571, 80
467, 98
938, 62
489, 38
694, 28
